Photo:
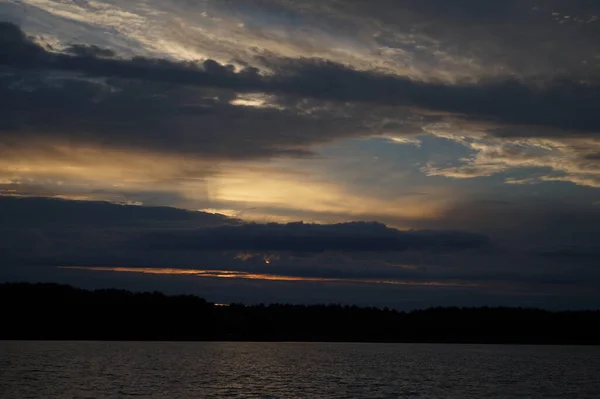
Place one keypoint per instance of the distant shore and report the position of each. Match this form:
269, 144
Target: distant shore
58, 312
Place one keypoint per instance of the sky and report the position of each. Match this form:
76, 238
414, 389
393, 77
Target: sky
396, 153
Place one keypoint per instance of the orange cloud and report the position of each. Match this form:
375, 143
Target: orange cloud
267, 277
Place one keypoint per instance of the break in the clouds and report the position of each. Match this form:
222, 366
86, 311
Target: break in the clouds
475, 120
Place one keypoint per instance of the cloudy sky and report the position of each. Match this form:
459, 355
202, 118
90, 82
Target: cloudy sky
437, 152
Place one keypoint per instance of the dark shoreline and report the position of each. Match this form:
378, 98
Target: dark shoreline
51, 312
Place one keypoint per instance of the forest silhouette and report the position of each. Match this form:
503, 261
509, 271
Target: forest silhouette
60, 312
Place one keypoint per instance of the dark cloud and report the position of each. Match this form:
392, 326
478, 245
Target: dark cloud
18, 50
191, 102
573, 253
31, 212
519, 37
47, 231
83, 50
558, 104
169, 229
592, 157
562, 104
38, 231
299, 237
533, 221
133, 115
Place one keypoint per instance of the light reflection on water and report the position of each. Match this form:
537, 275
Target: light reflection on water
294, 370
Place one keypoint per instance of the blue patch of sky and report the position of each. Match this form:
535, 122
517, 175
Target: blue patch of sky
384, 166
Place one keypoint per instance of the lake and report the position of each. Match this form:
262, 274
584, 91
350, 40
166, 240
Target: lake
295, 370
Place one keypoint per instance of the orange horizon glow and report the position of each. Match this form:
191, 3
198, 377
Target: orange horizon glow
230, 274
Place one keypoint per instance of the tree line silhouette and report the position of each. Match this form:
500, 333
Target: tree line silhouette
60, 312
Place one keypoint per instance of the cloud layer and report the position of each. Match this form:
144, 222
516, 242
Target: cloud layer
222, 112
439, 116
560, 103
89, 236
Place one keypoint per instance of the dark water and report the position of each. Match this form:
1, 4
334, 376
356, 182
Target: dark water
295, 370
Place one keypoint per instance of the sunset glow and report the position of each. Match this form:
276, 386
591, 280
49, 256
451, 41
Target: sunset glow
267, 277
399, 152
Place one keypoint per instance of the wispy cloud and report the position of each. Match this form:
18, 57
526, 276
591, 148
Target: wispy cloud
561, 159
229, 274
